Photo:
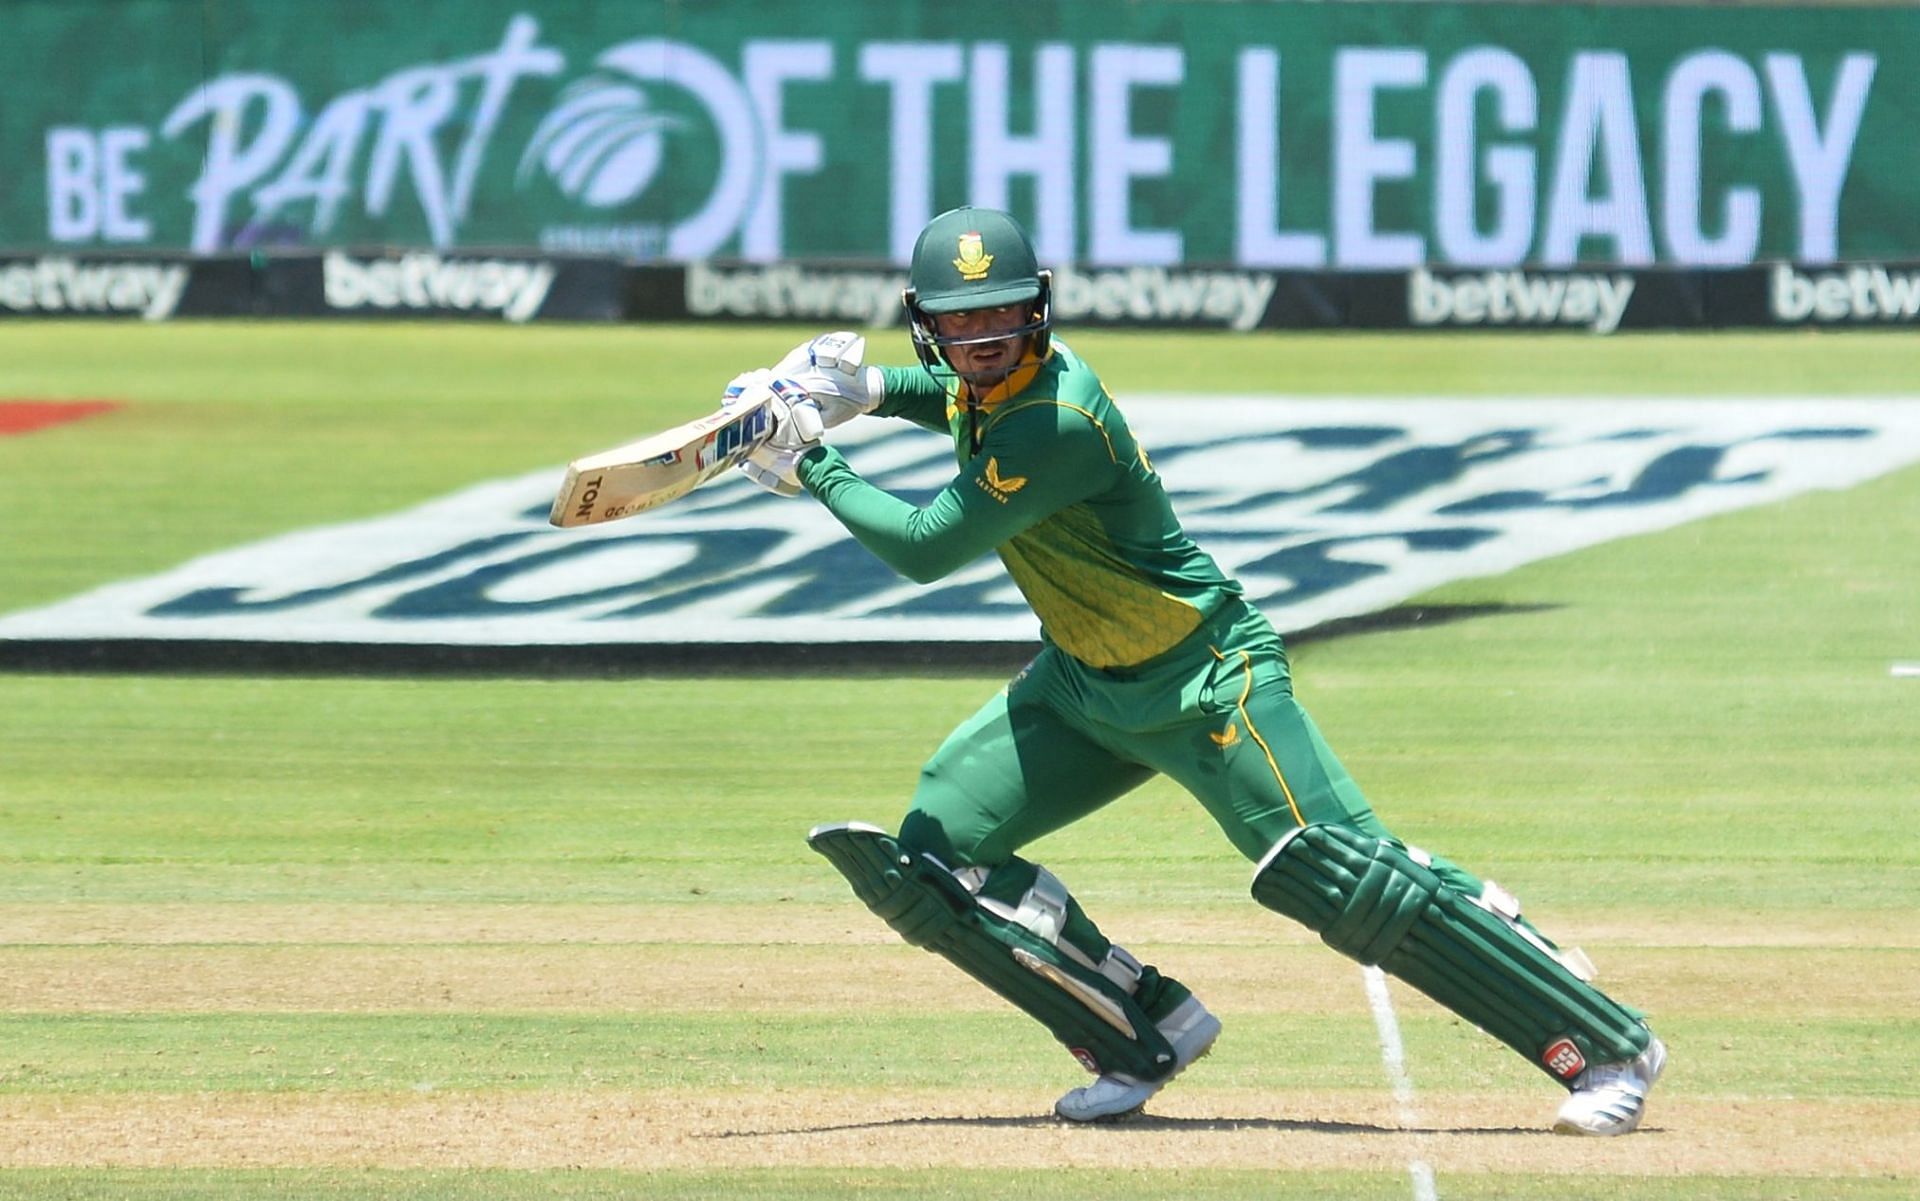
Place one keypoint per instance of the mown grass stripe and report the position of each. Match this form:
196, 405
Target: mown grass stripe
1728, 1056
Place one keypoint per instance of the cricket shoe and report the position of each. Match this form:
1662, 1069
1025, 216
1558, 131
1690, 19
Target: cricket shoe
1610, 1098
1191, 1030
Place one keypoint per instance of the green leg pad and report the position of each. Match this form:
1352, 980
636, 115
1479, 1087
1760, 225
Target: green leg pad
1372, 901
1101, 1023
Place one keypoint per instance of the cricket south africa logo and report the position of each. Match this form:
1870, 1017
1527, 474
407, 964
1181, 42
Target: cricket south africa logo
974, 261
1226, 737
602, 144
1322, 508
611, 138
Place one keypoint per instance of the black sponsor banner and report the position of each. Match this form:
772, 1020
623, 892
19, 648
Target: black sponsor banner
1770, 295
839, 294
1857, 295
1602, 300
517, 287
656, 292
1598, 300
415, 284
1320, 300
334, 283
150, 287
868, 295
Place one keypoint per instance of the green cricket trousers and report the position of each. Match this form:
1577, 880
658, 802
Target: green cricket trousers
1216, 714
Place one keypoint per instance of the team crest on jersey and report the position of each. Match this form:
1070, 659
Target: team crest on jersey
974, 261
998, 486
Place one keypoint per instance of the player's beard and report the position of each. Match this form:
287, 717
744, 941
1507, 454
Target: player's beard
981, 381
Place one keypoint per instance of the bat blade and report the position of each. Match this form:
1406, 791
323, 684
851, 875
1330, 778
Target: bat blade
659, 468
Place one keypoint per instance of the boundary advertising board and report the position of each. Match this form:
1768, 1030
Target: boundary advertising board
1125, 133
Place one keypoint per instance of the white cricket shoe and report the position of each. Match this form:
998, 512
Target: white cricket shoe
1191, 1030
1610, 1098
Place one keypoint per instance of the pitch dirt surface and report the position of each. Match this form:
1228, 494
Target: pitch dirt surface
918, 1129
612, 961
1290, 975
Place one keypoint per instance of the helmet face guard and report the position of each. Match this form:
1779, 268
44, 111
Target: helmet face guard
931, 346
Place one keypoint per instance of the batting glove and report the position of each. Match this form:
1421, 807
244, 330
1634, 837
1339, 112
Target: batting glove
746, 388
797, 427
830, 369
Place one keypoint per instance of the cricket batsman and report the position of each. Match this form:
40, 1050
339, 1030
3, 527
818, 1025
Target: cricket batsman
1151, 662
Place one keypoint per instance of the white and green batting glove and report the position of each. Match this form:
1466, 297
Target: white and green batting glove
829, 368
797, 427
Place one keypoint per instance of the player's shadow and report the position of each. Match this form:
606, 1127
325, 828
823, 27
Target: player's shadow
1139, 1122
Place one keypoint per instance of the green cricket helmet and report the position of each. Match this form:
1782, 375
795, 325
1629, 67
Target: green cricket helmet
975, 258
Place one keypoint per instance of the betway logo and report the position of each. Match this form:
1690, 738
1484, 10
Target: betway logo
1154, 295
859, 297
1233, 299
62, 285
515, 290
1856, 294
1519, 298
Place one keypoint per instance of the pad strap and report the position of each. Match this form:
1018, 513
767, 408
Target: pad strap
1083, 1006
1372, 900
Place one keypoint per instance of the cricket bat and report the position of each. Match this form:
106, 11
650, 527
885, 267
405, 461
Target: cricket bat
646, 474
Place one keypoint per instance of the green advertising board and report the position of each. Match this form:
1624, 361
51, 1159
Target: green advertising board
1350, 136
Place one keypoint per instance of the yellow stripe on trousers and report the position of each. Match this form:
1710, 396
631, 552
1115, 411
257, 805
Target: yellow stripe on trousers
1246, 688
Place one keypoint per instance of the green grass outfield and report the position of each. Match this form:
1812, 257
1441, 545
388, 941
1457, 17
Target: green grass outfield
258, 935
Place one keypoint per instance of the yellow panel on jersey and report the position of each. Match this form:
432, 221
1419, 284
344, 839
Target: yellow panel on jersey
1090, 600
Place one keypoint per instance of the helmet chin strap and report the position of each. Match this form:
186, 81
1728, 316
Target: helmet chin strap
978, 386
970, 398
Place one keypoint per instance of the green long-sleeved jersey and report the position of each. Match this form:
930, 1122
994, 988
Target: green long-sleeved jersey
1061, 490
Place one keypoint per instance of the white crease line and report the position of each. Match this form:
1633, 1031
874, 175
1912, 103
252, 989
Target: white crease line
1393, 1054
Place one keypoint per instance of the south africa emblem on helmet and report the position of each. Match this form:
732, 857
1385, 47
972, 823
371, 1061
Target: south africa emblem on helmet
974, 261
